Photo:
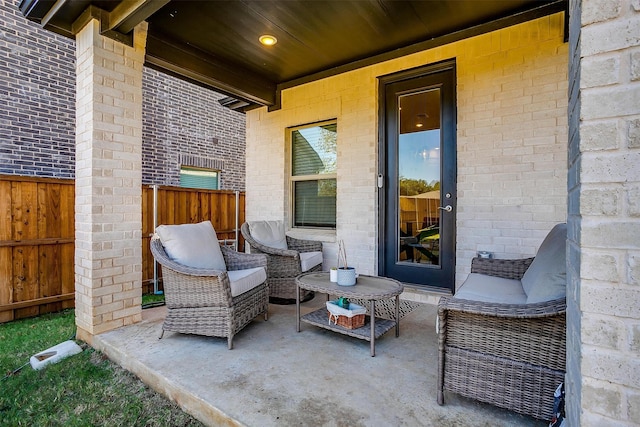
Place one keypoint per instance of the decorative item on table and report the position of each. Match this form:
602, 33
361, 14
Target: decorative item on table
346, 274
333, 274
485, 254
350, 318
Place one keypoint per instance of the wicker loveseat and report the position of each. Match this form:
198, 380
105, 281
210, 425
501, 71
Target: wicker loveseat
502, 337
209, 289
287, 257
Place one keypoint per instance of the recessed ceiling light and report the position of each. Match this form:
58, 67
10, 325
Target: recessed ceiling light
268, 40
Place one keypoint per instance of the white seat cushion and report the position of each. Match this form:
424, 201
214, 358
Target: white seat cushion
308, 260
269, 233
193, 245
481, 287
245, 280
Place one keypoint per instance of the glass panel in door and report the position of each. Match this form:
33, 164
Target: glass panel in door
418, 178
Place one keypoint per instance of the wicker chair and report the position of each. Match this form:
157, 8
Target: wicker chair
508, 355
284, 265
199, 301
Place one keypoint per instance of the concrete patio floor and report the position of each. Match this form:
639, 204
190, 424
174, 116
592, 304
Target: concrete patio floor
275, 376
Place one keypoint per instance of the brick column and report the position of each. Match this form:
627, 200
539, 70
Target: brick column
573, 384
108, 254
603, 298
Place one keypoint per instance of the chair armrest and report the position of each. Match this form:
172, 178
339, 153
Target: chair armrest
260, 248
196, 290
504, 268
508, 311
188, 286
301, 245
530, 333
241, 261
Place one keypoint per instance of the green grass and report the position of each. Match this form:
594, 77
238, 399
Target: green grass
81, 390
152, 300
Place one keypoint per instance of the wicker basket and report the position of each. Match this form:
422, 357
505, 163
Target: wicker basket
352, 318
354, 322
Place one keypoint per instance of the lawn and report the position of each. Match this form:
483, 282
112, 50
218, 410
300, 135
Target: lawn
81, 390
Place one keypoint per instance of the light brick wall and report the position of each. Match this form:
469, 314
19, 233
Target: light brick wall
512, 132
108, 257
574, 318
603, 366
512, 139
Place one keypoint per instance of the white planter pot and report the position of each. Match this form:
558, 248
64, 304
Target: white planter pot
346, 276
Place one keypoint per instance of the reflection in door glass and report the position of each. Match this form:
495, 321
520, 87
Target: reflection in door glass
419, 178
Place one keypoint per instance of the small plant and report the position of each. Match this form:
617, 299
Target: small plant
342, 255
346, 275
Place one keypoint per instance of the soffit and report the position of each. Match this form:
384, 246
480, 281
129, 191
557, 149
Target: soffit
215, 43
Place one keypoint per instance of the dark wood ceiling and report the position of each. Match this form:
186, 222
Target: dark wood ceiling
215, 43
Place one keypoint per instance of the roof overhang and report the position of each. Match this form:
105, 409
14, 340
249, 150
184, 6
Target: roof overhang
215, 43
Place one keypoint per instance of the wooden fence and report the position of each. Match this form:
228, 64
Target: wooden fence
37, 233
185, 205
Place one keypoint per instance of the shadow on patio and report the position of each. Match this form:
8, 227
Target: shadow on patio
276, 376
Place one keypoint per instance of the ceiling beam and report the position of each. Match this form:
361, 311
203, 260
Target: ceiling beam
52, 12
129, 13
44, 12
93, 12
207, 71
67, 17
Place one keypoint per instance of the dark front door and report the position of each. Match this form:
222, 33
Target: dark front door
418, 176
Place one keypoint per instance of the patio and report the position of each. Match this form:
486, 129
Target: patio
275, 376
544, 128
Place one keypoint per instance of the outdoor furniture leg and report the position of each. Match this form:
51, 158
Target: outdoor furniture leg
297, 308
397, 316
373, 327
441, 324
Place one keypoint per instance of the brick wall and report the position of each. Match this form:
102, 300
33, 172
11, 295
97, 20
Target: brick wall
603, 298
37, 113
185, 124
512, 139
37, 98
574, 324
512, 144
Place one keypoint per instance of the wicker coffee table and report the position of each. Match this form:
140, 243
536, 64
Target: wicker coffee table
369, 288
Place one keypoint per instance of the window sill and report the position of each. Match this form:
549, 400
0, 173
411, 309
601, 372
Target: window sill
313, 234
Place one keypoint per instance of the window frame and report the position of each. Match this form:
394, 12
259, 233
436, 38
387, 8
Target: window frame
293, 179
184, 168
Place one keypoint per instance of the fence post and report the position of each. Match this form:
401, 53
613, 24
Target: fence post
237, 220
155, 224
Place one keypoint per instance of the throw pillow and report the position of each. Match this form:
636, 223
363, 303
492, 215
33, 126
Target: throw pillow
546, 277
269, 233
193, 245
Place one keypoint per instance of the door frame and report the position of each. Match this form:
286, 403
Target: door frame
383, 179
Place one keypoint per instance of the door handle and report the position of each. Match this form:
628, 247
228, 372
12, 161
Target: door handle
447, 208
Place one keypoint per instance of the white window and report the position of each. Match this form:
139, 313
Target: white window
313, 175
191, 177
